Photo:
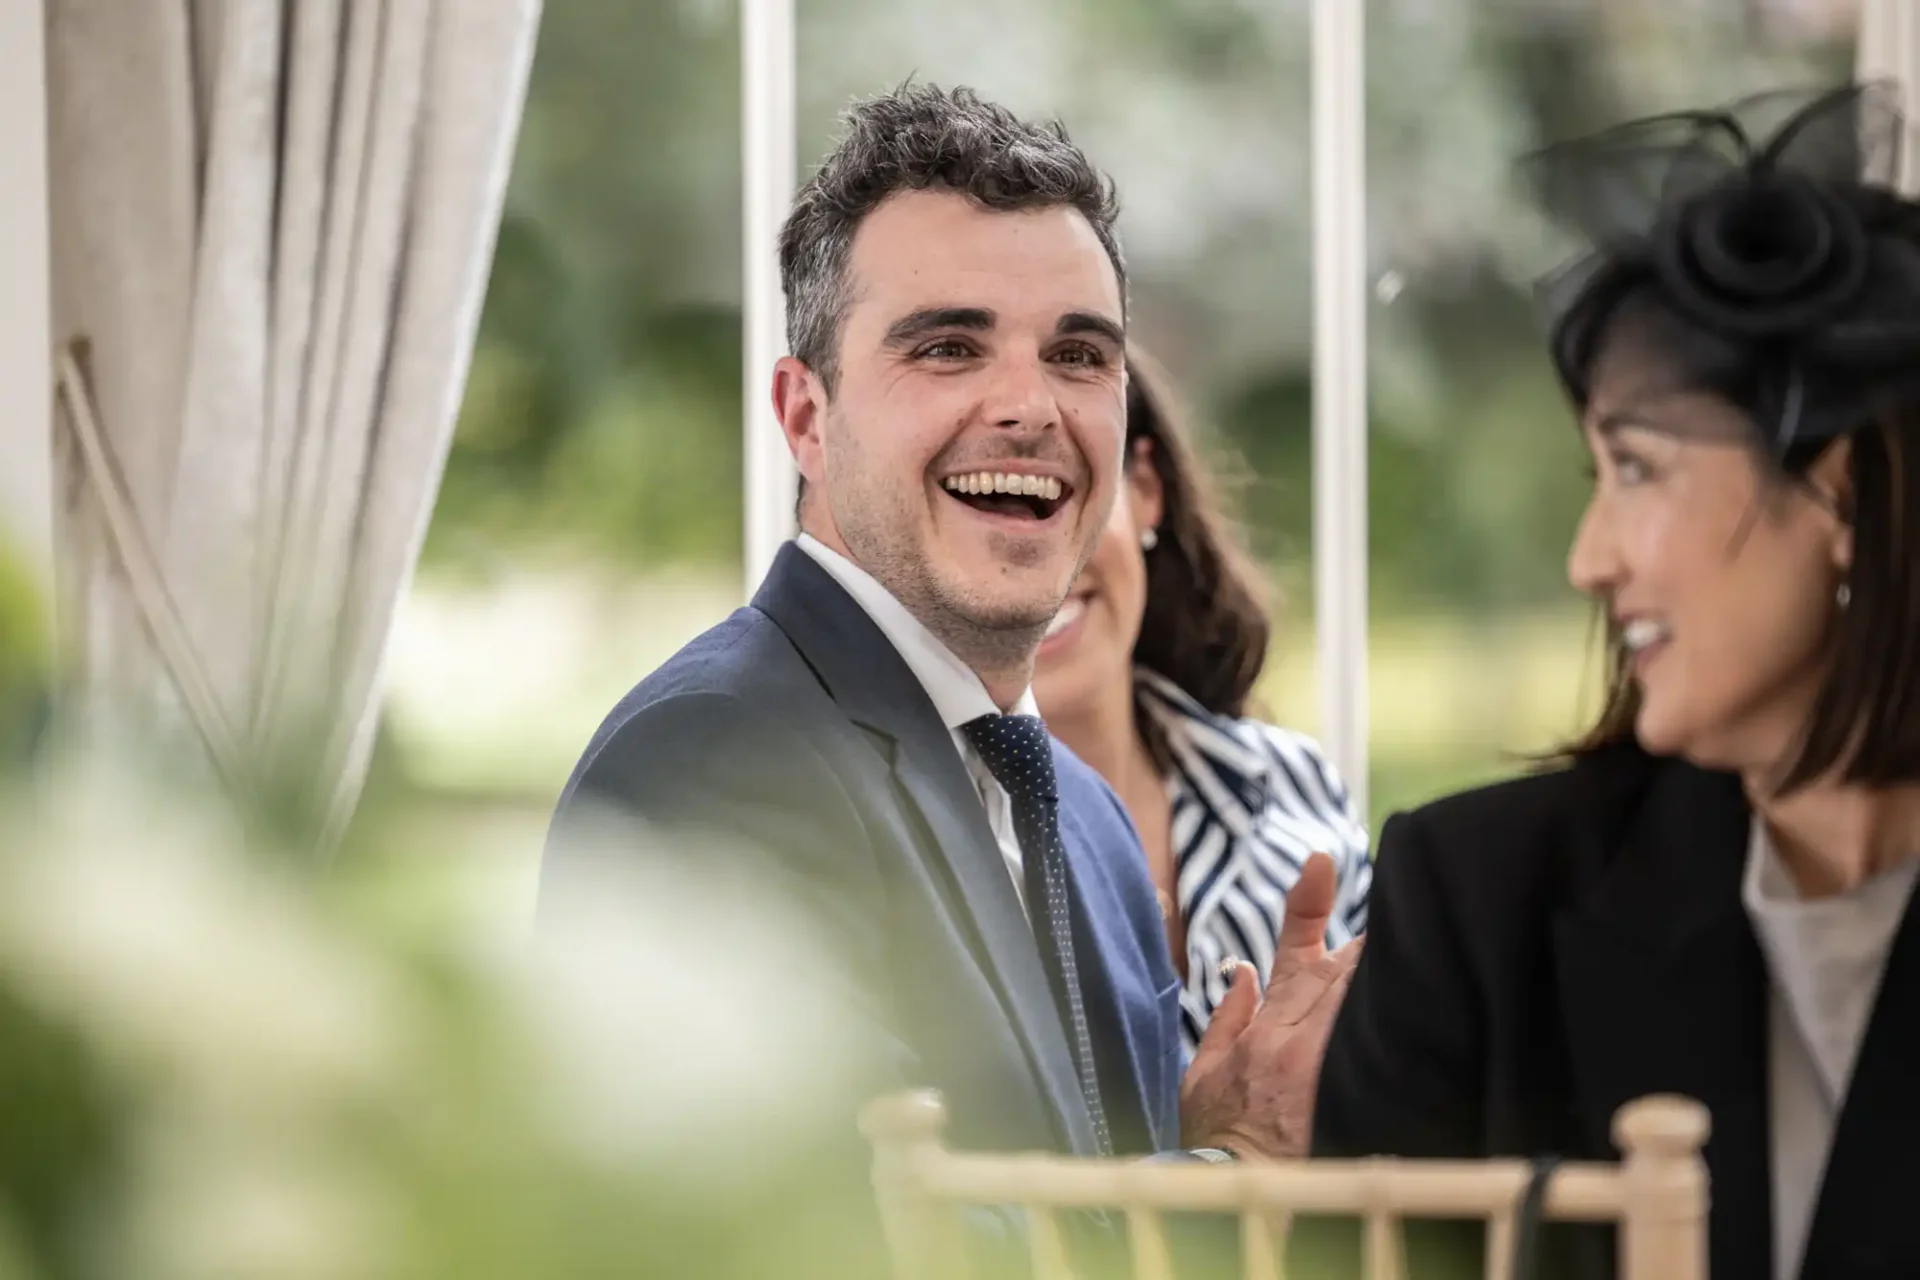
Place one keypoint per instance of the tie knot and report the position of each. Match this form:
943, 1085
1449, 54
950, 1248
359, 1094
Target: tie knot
1017, 751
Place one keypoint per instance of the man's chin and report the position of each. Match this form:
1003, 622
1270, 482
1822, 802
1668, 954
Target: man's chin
1004, 606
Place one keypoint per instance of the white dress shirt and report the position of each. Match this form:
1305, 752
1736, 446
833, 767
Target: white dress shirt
1826, 957
957, 693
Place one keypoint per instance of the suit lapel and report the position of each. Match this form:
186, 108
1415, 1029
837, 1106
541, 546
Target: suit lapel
1874, 1163
1663, 984
871, 682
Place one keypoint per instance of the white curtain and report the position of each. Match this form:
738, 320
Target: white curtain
1890, 50
272, 224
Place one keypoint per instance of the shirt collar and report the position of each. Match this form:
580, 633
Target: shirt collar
957, 693
1201, 740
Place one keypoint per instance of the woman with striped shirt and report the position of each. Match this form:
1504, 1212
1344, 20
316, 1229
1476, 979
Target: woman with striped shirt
1145, 674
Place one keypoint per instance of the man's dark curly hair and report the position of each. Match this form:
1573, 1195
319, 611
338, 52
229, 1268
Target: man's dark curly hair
917, 138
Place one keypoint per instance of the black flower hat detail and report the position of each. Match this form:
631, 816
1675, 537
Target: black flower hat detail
1771, 223
1772, 255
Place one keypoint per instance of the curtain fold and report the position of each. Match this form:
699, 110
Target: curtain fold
272, 225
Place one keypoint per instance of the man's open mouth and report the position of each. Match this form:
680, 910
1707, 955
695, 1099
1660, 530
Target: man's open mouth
1007, 494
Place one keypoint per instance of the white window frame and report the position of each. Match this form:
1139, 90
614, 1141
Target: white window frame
1889, 49
768, 141
26, 343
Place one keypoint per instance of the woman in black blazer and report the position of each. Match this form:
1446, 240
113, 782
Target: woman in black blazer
1713, 895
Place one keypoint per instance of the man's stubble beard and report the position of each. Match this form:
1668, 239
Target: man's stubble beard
987, 640
873, 535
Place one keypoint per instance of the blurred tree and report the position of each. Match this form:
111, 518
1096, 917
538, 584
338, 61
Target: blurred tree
603, 413
24, 670
603, 407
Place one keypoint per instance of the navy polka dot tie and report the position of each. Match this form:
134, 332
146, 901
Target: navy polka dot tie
1019, 754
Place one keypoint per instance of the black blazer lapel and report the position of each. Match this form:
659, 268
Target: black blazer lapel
871, 682
1873, 1169
1664, 986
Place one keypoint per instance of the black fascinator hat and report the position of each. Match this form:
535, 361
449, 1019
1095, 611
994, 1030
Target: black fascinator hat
1767, 233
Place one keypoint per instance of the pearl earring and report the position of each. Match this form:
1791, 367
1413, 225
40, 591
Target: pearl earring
1149, 539
1843, 595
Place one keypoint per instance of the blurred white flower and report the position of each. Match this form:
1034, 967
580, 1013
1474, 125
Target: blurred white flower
144, 923
212, 1202
687, 1016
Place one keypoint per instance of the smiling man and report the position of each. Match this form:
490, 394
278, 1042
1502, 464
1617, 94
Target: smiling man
955, 402
959, 421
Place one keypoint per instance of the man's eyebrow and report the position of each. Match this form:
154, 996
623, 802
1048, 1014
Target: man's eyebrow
1091, 322
919, 323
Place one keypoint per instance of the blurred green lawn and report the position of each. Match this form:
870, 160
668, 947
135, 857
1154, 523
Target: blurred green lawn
1452, 701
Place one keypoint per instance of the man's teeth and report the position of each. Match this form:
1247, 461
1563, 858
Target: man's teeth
1641, 632
983, 482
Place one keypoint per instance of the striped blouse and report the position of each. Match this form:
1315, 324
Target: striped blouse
1250, 802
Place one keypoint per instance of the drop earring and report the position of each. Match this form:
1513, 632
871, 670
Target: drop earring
1149, 539
1843, 595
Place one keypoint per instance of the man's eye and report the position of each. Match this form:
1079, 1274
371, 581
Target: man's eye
945, 349
1081, 354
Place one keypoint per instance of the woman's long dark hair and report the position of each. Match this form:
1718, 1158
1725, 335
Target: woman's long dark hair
1206, 625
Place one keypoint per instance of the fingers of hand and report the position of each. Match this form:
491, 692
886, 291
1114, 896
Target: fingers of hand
1231, 1017
1327, 1007
1241, 1002
1312, 895
1303, 930
1291, 998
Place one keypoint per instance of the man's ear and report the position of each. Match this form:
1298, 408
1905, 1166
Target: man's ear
800, 404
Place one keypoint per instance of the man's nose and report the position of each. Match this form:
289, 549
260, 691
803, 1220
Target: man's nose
1020, 396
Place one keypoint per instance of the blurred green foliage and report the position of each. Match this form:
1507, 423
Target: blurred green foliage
214, 1066
25, 634
603, 412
